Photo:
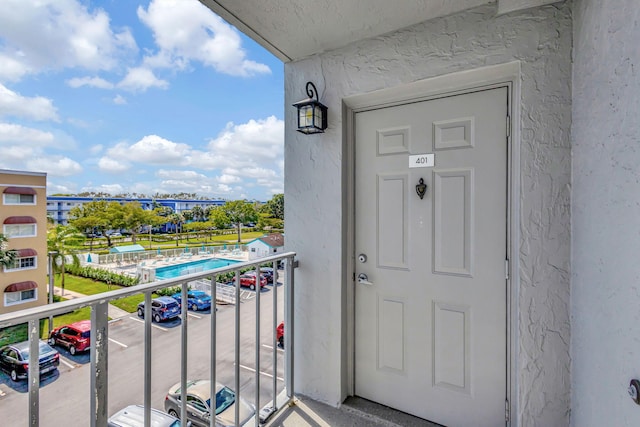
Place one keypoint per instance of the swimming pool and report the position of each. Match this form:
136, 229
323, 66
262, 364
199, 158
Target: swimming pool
172, 271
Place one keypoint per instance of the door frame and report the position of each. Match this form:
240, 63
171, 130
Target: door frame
507, 74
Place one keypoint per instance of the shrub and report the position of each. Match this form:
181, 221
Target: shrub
102, 275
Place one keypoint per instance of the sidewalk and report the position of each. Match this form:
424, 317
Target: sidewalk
114, 312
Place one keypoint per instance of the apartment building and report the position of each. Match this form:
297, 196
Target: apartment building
23, 214
58, 207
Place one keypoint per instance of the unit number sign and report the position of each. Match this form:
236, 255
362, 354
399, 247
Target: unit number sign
422, 160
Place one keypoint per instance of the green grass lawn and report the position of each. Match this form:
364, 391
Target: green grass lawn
91, 287
83, 286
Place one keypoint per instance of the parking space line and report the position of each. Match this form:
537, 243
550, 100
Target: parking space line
194, 315
270, 347
118, 342
67, 363
155, 326
261, 373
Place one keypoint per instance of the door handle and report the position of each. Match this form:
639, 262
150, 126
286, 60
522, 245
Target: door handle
364, 280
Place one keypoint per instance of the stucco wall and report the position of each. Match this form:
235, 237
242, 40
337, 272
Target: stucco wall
606, 212
315, 176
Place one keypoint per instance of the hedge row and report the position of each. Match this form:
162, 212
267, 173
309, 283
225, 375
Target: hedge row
101, 275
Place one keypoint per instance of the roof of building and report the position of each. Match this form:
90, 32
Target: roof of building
274, 240
128, 248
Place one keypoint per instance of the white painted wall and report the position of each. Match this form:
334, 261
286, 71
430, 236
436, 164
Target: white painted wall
316, 171
605, 300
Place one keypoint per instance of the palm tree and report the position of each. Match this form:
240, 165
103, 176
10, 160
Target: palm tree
62, 242
7, 256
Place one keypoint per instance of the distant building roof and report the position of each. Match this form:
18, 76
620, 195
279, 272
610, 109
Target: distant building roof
274, 240
128, 248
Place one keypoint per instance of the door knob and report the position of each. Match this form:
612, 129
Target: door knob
364, 280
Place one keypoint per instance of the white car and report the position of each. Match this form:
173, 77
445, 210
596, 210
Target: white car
200, 408
133, 416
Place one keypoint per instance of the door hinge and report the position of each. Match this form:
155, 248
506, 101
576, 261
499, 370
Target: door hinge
354, 276
507, 412
506, 269
508, 126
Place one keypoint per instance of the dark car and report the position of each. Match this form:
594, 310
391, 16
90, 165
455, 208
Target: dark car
268, 273
133, 416
75, 337
14, 359
196, 300
248, 280
162, 308
199, 408
280, 334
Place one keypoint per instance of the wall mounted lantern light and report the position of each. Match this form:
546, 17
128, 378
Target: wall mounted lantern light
312, 115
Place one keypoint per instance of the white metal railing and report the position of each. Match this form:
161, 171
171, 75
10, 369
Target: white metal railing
99, 340
134, 257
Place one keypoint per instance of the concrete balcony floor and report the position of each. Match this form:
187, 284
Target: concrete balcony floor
353, 412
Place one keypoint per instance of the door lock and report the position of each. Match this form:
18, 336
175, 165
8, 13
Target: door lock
362, 258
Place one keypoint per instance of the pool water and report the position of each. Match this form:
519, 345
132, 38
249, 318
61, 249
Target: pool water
177, 270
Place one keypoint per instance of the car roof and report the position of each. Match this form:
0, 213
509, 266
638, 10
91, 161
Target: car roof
133, 416
82, 325
166, 300
198, 388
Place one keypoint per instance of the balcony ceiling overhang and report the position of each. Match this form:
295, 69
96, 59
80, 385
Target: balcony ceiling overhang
296, 29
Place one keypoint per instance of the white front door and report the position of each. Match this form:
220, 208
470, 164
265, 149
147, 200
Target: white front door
431, 314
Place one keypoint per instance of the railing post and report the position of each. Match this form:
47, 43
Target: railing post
147, 358
99, 364
33, 373
212, 390
258, 292
289, 327
237, 350
184, 308
275, 334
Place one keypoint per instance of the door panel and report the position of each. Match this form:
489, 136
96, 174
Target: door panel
431, 324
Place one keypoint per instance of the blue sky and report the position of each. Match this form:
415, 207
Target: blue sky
144, 96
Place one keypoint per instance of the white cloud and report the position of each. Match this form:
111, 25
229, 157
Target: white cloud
96, 149
109, 188
246, 155
36, 108
151, 149
141, 79
96, 82
55, 165
107, 164
188, 31
119, 100
180, 174
17, 134
229, 179
55, 34
12, 69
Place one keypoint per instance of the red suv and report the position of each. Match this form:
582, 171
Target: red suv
280, 334
76, 336
248, 280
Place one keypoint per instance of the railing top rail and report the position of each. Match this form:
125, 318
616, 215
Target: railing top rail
22, 316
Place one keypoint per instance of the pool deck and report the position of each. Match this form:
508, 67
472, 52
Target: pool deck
131, 269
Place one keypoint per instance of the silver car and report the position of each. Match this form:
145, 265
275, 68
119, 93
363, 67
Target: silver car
133, 416
199, 404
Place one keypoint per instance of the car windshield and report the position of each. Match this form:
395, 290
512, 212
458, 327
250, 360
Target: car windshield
224, 398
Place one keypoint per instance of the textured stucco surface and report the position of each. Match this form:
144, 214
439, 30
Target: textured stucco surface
605, 298
315, 168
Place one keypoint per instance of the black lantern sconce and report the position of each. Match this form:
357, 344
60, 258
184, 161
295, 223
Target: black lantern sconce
312, 115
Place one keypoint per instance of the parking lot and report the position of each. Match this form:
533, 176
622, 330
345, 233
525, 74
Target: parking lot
64, 394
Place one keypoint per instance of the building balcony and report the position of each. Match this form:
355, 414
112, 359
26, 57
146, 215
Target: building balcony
134, 360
